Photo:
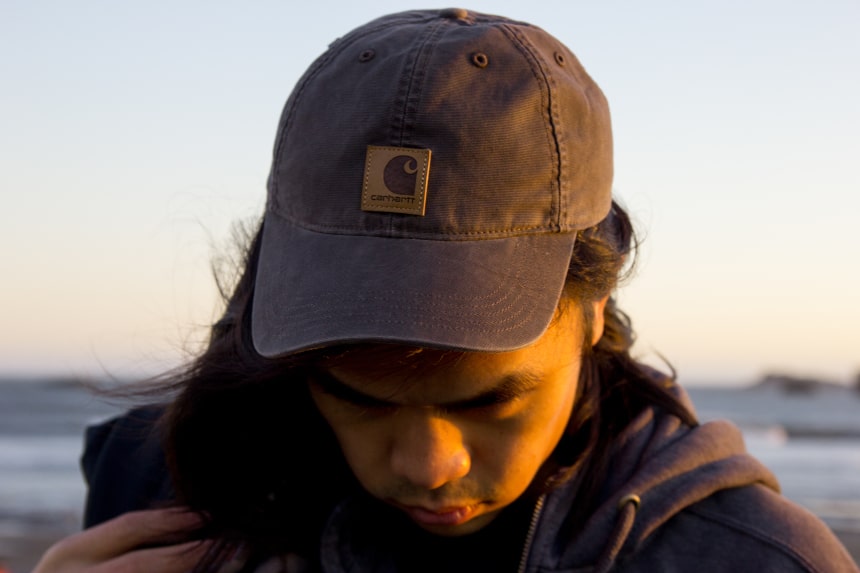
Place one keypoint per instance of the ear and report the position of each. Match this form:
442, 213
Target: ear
597, 322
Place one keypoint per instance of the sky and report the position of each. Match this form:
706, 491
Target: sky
134, 135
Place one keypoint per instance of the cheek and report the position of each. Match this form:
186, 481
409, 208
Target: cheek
363, 442
365, 448
513, 452
526, 442
510, 466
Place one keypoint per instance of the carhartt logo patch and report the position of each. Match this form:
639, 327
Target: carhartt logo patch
395, 179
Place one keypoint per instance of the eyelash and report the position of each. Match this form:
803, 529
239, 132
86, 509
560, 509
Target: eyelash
492, 401
368, 404
372, 406
486, 405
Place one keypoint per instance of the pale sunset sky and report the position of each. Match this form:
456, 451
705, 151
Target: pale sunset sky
133, 134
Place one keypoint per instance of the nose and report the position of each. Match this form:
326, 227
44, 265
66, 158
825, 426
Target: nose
429, 450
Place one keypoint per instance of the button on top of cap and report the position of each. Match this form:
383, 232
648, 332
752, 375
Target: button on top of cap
454, 13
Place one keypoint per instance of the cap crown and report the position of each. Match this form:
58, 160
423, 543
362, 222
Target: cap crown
519, 133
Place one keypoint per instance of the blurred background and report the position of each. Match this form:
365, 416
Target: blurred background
134, 135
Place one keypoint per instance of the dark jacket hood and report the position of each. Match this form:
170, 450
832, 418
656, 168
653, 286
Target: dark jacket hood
659, 468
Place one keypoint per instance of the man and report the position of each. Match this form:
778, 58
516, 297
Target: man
421, 367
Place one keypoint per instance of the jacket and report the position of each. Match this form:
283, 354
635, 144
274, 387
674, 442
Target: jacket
676, 499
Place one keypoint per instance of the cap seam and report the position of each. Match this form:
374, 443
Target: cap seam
382, 233
538, 67
415, 77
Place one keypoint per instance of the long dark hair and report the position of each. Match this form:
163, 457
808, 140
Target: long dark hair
246, 446
613, 387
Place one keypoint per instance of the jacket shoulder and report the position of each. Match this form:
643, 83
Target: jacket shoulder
124, 466
750, 528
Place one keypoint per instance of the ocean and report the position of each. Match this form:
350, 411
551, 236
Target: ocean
809, 439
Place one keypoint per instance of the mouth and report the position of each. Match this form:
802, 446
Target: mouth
448, 516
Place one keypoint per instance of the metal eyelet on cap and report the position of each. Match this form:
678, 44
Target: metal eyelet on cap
559, 58
366, 55
480, 59
454, 13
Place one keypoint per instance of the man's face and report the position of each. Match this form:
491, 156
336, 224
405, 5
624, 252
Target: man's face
453, 442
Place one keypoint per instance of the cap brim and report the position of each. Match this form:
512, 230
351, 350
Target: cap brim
317, 289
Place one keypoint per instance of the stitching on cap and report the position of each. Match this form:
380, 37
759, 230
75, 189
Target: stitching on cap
433, 297
416, 78
439, 325
418, 235
373, 317
528, 50
504, 313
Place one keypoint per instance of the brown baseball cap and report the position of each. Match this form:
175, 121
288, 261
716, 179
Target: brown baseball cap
430, 172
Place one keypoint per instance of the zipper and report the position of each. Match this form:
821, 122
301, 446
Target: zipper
530, 536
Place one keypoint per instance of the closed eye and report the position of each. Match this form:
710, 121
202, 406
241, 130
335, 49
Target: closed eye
509, 391
499, 397
337, 389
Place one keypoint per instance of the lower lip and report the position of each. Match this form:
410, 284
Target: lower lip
448, 517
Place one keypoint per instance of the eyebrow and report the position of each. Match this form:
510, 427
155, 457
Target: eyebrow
509, 388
